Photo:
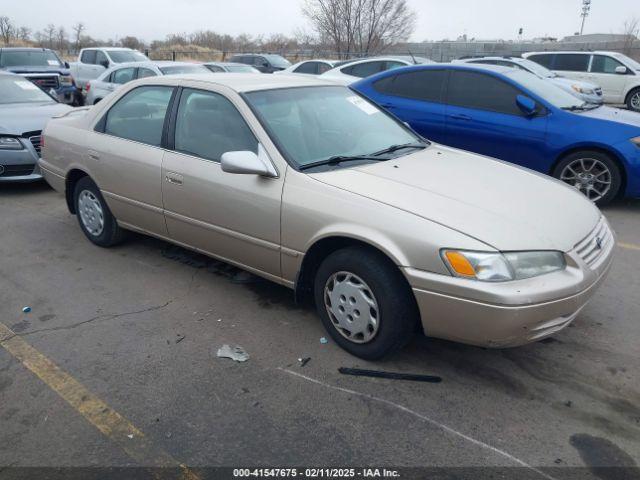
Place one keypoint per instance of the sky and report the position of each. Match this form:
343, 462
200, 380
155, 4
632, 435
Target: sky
436, 19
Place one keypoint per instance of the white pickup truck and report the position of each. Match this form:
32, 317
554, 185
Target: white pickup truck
93, 61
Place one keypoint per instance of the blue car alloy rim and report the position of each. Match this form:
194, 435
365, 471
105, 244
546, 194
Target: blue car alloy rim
592, 177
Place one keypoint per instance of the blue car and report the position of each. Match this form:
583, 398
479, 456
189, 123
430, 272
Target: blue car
515, 116
44, 68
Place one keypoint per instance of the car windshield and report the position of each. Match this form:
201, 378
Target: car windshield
241, 69
536, 68
312, 124
278, 61
123, 56
546, 90
19, 90
629, 61
178, 69
29, 58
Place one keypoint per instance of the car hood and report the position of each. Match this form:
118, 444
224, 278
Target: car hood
567, 82
18, 118
509, 208
39, 69
613, 115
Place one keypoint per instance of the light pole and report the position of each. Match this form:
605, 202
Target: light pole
586, 7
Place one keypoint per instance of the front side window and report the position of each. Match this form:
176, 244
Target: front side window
312, 124
101, 58
139, 115
88, 57
482, 92
572, 62
604, 64
208, 125
123, 75
308, 67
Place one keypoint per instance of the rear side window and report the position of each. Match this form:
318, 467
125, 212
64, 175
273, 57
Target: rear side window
604, 64
308, 67
572, 62
146, 72
123, 75
208, 125
323, 67
426, 86
544, 59
139, 115
88, 56
363, 70
482, 92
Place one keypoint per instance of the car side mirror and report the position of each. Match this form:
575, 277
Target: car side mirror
527, 105
621, 70
104, 63
248, 163
66, 65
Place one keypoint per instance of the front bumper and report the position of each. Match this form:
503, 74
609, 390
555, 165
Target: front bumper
508, 314
20, 166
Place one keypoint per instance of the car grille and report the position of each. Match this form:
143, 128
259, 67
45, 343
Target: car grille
36, 141
46, 82
595, 244
16, 170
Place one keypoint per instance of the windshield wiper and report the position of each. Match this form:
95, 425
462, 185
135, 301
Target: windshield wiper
575, 108
395, 148
337, 159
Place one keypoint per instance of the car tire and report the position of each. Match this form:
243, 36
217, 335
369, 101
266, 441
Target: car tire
633, 100
354, 279
96, 220
588, 171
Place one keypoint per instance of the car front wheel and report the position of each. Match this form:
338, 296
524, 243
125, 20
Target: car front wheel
633, 100
96, 220
365, 302
593, 173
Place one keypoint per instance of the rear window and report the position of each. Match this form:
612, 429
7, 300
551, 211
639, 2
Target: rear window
124, 56
363, 70
29, 58
178, 69
572, 62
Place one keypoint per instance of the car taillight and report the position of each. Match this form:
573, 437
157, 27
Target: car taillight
87, 86
41, 141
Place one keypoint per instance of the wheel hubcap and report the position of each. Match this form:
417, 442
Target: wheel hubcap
91, 214
635, 101
592, 177
352, 307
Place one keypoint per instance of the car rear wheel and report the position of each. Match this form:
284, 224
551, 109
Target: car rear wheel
633, 100
365, 303
593, 173
96, 220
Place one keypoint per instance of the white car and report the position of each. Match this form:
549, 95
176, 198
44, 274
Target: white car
117, 76
585, 91
617, 74
310, 67
92, 62
353, 71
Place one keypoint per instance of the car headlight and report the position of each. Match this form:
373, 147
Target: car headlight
502, 267
636, 141
10, 143
66, 80
583, 90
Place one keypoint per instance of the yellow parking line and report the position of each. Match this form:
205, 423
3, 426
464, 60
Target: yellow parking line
629, 246
113, 425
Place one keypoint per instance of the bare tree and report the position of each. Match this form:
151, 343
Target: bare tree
631, 30
24, 34
132, 42
61, 37
50, 34
7, 30
360, 27
78, 30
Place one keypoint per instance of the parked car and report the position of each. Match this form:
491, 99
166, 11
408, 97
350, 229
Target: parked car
308, 184
228, 67
266, 63
117, 76
92, 62
617, 74
587, 92
24, 111
42, 67
310, 67
354, 71
515, 116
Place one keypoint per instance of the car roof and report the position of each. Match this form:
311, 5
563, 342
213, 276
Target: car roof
226, 64
586, 52
25, 49
244, 82
152, 63
110, 48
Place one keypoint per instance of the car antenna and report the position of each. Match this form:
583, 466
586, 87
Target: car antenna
413, 58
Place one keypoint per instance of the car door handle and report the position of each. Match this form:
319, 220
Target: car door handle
93, 155
174, 178
460, 116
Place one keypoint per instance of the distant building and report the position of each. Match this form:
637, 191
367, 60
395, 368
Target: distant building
596, 38
544, 40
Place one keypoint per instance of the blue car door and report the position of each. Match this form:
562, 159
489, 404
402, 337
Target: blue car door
416, 98
482, 116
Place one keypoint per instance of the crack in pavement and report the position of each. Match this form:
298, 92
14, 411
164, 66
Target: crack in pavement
90, 320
